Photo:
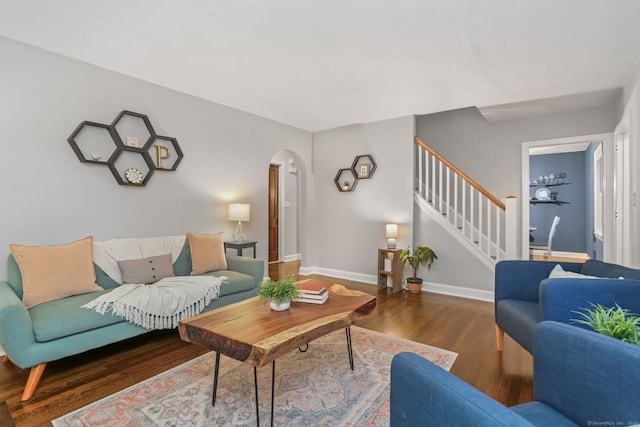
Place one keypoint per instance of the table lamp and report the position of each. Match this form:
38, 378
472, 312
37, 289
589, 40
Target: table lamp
239, 212
392, 234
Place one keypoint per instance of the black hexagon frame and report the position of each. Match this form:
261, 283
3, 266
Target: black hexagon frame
120, 147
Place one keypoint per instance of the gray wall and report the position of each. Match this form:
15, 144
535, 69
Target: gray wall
570, 234
490, 152
50, 197
349, 227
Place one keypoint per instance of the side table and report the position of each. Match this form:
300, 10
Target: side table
389, 270
239, 246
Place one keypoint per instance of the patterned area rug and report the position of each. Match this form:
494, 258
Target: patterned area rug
315, 388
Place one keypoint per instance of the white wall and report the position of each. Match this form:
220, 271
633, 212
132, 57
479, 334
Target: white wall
349, 227
631, 106
49, 197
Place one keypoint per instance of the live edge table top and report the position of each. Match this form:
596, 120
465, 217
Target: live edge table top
249, 331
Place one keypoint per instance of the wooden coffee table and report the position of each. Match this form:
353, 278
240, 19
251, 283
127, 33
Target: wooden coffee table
249, 331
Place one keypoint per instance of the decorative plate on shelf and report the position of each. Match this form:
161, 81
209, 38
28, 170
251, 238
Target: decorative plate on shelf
543, 194
134, 176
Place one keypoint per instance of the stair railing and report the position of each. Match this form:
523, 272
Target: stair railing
471, 210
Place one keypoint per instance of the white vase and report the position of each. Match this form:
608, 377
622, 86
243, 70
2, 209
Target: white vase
282, 307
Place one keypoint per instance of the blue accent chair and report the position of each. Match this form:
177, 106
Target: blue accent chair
581, 378
525, 296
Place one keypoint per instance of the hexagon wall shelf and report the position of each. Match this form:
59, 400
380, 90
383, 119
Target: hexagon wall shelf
363, 167
128, 147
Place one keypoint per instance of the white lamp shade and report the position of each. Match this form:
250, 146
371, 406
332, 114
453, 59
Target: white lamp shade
392, 231
239, 212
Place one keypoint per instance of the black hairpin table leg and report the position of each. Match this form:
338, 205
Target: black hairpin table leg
215, 379
349, 348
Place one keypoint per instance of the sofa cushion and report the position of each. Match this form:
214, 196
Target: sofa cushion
541, 415
594, 267
52, 272
146, 270
63, 317
207, 253
237, 282
518, 319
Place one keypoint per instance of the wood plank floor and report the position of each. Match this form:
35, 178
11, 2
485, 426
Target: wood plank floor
456, 324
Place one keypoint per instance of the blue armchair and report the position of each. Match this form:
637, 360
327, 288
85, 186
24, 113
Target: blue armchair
525, 296
581, 378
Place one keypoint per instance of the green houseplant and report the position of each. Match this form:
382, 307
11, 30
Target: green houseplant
279, 293
421, 255
614, 322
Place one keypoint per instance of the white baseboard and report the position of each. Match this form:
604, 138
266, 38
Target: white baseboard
457, 291
340, 274
436, 288
2, 353
293, 257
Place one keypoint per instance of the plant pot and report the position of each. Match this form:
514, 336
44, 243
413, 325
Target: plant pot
414, 285
282, 307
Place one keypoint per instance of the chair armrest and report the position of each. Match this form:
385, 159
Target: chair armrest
250, 266
423, 394
517, 279
586, 376
559, 298
16, 328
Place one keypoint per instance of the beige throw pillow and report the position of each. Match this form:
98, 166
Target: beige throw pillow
146, 270
207, 253
54, 272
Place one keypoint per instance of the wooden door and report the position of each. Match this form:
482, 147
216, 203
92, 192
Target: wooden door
274, 172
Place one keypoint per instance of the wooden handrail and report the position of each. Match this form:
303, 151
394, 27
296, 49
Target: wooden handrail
467, 178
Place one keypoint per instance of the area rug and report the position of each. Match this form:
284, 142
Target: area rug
314, 388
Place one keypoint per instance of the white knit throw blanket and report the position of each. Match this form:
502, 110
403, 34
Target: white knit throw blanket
159, 305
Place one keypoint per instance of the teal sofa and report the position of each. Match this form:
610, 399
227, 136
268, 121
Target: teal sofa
61, 328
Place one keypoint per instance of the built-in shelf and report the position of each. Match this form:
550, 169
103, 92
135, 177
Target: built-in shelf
548, 202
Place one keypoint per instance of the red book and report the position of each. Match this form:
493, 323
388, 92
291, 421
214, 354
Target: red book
311, 286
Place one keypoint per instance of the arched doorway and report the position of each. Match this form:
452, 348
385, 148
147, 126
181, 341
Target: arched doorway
284, 216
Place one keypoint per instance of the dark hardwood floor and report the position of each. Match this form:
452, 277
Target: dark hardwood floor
456, 324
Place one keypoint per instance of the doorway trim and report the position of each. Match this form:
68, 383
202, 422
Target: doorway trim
607, 154
281, 216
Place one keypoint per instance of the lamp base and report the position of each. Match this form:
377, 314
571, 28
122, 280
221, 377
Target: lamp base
239, 235
391, 243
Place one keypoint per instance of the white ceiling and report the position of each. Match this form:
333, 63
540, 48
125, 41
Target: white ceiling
320, 64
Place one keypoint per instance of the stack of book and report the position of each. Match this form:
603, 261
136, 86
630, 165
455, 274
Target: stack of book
312, 291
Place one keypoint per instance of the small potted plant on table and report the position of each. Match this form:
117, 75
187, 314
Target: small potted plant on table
279, 293
422, 255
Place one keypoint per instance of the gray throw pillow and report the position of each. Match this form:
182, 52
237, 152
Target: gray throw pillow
146, 270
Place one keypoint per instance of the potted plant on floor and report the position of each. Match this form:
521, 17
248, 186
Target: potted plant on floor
422, 255
279, 293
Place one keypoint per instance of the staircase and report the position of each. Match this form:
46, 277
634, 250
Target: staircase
472, 215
